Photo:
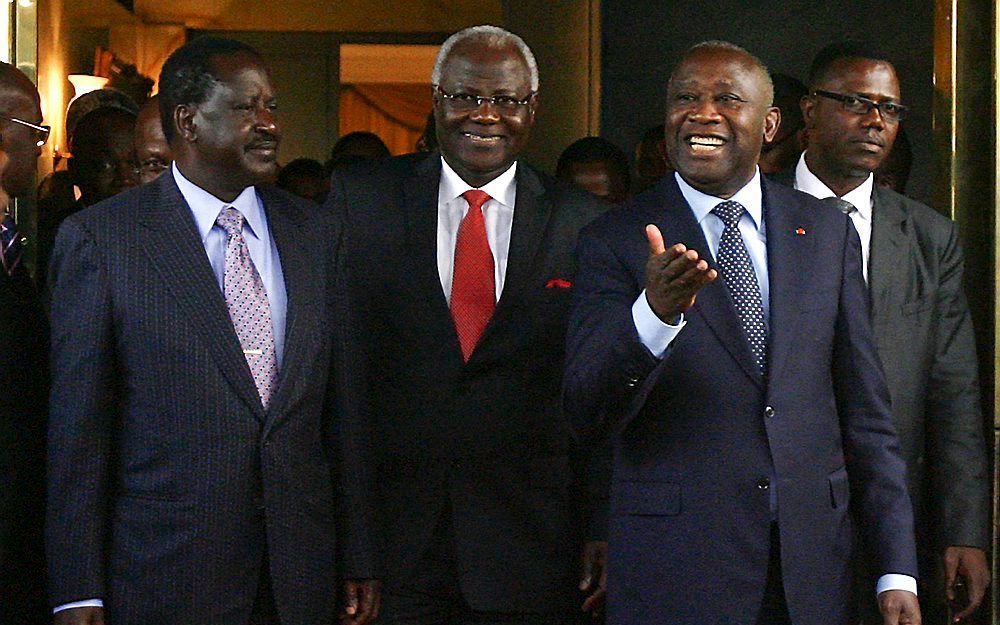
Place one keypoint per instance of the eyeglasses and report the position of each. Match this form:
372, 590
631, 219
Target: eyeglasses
152, 166
41, 132
507, 104
890, 111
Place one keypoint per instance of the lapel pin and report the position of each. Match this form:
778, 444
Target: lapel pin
800, 231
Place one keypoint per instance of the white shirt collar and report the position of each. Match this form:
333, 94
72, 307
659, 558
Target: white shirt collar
206, 207
500, 188
861, 196
750, 196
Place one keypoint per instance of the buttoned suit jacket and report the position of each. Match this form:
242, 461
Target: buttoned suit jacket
700, 433
484, 442
24, 375
924, 334
170, 484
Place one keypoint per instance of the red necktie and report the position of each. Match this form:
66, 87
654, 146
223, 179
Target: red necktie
473, 290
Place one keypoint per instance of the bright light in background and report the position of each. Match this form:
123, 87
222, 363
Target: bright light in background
5, 32
27, 4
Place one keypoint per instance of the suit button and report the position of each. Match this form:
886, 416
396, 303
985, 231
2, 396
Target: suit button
633, 382
769, 412
763, 483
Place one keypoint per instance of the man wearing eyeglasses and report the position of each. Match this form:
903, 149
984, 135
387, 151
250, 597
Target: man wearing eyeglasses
152, 151
23, 365
462, 265
913, 266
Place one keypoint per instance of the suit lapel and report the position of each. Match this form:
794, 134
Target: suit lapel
170, 239
787, 254
301, 285
421, 200
887, 267
531, 216
714, 303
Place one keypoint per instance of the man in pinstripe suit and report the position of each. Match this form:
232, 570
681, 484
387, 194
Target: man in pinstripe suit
197, 365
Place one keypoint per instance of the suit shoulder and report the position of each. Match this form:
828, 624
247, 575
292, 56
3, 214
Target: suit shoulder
918, 211
387, 169
114, 213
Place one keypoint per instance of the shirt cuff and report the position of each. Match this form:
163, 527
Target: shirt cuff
88, 603
895, 581
655, 335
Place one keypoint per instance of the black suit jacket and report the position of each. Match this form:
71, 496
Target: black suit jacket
169, 483
484, 442
703, 439
23, 395
923, 330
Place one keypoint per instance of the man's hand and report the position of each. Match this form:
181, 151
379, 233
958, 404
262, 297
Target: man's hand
970, 563
673, 277
594, 580
80, 616
899, 607
362, 598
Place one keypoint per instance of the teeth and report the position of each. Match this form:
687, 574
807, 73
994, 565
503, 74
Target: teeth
707, 141
482, 139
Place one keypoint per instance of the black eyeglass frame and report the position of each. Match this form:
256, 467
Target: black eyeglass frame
895, 114
43, 132
464, 101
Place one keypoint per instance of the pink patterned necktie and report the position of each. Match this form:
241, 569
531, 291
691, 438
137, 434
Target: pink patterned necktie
473, 290
248, 306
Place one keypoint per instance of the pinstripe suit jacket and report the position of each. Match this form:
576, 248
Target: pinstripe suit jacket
169, 483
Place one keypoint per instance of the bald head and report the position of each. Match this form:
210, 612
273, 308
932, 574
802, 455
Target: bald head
18, 100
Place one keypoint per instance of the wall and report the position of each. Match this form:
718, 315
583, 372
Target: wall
641, 41
559, 33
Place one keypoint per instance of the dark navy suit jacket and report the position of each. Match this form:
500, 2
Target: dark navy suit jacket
169, 483
701, 437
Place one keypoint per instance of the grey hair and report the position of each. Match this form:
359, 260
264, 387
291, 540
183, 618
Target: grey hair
718, 44
492, 37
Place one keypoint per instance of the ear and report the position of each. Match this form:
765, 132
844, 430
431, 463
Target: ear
533, 106
771, 121
808, 106
184, 124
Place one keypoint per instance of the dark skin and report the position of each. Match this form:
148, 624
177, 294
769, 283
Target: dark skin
718, 114
223, 145
844, 149
483, 143
19, 99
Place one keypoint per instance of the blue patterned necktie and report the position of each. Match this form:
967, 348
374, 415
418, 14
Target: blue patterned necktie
741, 280
10, 245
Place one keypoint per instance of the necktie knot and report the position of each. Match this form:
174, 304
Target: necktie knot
729, 212
842, 205
476, 198
230, 220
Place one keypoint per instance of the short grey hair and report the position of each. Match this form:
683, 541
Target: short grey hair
718, 44
491, 37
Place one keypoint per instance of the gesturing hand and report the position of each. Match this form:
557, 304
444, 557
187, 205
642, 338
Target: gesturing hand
673, 276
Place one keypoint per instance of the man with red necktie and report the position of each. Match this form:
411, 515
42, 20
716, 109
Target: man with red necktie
465, 336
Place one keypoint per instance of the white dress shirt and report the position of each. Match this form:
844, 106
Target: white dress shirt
861, 197
657, 335
205, 208
498, 214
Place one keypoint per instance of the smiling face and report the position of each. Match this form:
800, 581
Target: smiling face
845, 147
231, 139
482, 143
718, 115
